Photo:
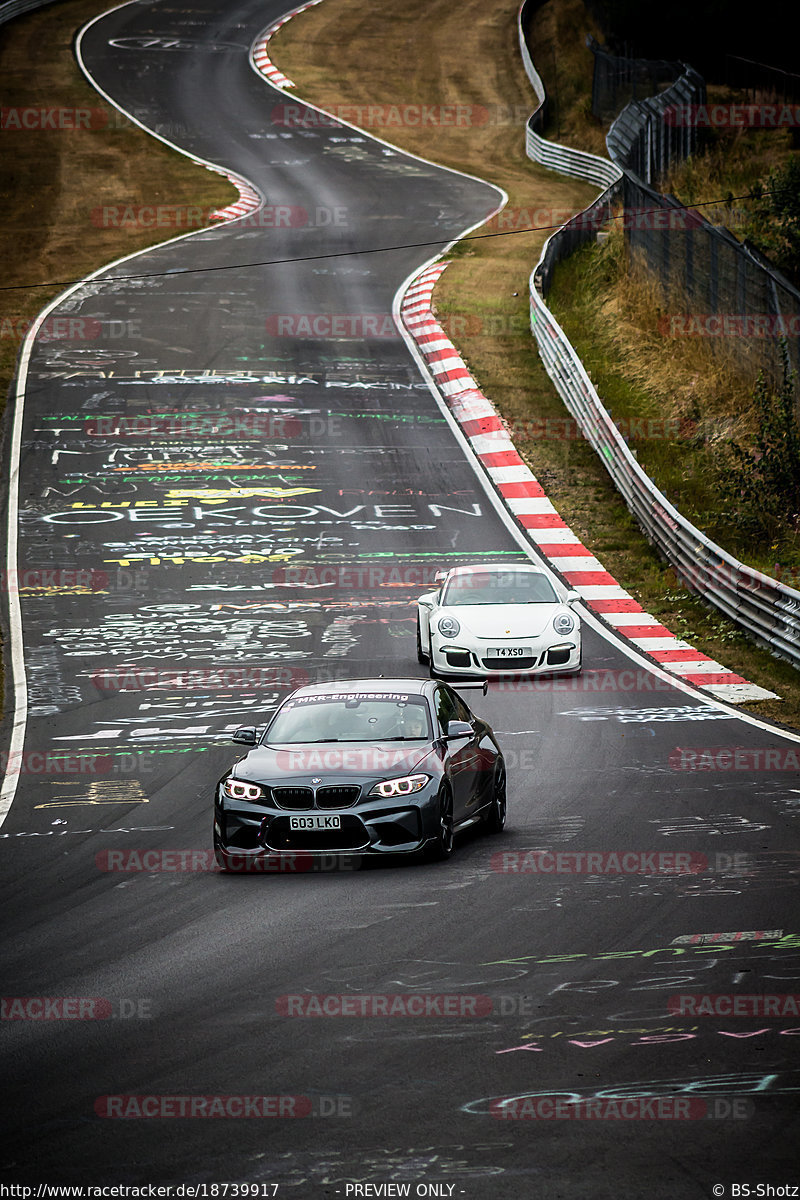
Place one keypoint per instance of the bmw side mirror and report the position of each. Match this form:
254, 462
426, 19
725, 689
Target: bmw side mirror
458, 729
246, 735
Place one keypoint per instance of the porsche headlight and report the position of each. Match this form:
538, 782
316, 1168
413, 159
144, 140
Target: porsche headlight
563, 623
400, 787
449, 627
237, 789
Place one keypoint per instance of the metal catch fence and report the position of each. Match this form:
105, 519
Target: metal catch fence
766, 609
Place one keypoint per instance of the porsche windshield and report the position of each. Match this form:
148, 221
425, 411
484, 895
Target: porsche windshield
499, 587
350, 718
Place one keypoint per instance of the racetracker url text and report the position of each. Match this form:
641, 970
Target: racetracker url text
183, 1191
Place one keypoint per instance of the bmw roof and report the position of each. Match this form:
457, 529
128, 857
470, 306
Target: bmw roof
374, 687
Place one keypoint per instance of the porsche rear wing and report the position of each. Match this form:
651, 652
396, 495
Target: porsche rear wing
470, 685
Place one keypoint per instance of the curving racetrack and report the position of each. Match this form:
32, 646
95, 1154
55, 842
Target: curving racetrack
167, 481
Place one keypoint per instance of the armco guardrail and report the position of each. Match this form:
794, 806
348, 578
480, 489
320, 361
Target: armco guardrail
764, 608
550, 154
643, 142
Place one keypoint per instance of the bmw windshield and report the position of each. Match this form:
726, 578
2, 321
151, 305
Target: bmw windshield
356, 717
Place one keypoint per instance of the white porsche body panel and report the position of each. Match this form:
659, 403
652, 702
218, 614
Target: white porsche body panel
517, 624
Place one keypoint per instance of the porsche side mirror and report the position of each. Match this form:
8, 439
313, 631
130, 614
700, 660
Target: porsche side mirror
246, 735
573, 597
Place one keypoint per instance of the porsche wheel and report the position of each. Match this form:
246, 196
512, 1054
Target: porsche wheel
422, 657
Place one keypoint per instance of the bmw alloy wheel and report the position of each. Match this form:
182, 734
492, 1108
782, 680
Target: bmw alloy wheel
442, 845
495, 819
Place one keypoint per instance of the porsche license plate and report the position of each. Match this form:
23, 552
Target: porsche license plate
316, 821
509, 652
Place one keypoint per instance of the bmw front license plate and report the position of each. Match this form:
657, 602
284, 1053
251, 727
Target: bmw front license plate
317, 821
509, 652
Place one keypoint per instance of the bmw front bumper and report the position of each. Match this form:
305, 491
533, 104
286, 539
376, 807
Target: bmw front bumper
375, 826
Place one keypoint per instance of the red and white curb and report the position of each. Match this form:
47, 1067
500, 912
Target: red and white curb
259, 55
525, 498
249, 199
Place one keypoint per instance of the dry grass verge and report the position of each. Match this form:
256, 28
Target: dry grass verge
684, 386
52, 179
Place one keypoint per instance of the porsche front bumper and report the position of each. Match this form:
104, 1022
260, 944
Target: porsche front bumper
459, 657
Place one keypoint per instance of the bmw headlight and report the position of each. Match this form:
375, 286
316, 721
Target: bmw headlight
563, 623
237, 789
449, 627
400, 787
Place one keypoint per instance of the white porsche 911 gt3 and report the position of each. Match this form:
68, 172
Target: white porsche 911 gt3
498, 619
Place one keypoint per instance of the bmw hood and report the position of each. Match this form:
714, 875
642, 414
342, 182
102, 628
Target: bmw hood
505, 620
330, 761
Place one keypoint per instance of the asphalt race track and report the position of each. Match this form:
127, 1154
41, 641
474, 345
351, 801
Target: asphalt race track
246, 489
